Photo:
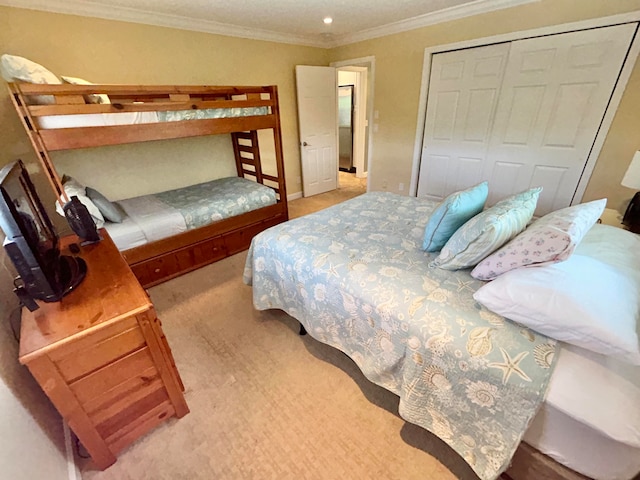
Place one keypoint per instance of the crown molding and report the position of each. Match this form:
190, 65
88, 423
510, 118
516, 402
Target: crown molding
440, 16
132, 15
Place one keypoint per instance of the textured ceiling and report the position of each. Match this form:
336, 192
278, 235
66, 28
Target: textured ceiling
291, 21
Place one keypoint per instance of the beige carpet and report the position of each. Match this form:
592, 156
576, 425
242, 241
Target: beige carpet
266, 403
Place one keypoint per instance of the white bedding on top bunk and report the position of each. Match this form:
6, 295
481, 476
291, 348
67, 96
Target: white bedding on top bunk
48, 122
96, 120
595, 399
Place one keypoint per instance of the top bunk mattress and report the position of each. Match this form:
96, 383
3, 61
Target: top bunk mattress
49, 122
161, 215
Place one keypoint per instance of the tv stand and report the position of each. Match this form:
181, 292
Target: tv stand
101, 356
72, 271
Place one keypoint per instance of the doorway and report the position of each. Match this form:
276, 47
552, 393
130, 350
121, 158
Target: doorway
359, 73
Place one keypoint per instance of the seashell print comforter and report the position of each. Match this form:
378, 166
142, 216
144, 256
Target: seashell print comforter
355, 276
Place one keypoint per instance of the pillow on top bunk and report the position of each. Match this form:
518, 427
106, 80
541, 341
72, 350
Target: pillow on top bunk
73, 188
18, 68
550, 239
92, 98
109, 210
488, 231
451, 214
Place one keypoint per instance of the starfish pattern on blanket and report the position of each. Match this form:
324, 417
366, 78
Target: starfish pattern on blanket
511, 365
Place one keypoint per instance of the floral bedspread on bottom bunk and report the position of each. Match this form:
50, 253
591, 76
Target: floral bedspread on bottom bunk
208, 202
354, 275
161, 215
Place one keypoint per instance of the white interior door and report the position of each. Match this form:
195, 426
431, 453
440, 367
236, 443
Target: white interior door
553, 94
463, 94
318, 125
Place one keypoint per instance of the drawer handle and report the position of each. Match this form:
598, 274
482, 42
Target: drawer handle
157, 270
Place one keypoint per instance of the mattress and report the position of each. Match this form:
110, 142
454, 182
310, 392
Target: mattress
153, 217
132, 118
595, 399
590, 397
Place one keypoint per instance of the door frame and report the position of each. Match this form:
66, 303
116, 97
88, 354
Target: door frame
616, 96
360, 64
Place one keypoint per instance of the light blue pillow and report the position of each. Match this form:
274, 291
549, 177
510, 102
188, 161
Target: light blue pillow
109, 210
488, 231
451, 214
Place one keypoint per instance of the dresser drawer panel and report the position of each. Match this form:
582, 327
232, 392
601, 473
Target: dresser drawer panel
109, 403
101, 381
125, 417
140, 426
86, 360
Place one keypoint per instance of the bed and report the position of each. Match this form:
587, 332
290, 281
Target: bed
71, 116
355, 277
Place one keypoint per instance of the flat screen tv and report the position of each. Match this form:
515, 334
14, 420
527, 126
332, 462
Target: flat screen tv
32, 242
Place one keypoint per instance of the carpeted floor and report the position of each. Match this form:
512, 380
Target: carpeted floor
266, 403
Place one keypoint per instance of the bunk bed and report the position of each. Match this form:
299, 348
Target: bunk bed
67, 116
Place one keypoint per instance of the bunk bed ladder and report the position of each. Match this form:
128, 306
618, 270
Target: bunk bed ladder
38, 145
247, 153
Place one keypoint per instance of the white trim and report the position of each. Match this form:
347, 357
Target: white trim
132, 15
72, 470
627, 68
370, 63
607, 120
294, 196
440, 16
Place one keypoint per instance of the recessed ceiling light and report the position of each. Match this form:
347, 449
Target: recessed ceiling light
328, 20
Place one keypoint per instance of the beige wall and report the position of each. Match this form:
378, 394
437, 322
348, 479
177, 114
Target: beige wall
398, 76
119, 52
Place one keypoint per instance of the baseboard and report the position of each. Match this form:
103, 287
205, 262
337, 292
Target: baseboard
294, 196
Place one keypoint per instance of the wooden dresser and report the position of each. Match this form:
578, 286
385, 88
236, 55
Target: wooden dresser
101, 356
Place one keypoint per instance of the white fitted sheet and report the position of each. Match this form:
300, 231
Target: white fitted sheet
96, 119
590, 421
126, 235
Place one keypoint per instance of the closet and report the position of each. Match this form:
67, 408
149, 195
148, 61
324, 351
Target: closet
519, 114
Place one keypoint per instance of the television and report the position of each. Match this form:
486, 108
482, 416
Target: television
32, 243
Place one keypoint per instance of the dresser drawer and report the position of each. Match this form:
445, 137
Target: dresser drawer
91, 352
135, 367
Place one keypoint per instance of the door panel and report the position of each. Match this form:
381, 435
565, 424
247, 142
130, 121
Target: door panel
318, 123
554, 94
462, 99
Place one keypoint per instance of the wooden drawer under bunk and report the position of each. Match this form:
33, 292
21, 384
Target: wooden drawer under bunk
182, 260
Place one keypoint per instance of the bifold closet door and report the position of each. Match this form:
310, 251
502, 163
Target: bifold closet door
463, 94
552, 96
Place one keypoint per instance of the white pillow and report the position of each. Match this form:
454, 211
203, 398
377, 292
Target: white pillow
19, 68
582, 301
73, 188
92, 98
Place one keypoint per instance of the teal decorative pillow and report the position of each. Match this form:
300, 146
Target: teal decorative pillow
109, 210
488, 231
451, 214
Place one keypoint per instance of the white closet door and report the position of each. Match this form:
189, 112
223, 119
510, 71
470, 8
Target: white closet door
554, 94
464, 87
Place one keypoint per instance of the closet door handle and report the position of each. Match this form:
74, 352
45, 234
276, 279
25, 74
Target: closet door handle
305, 144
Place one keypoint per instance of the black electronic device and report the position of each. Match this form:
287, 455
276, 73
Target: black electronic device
631, 217
32, 243
80, 221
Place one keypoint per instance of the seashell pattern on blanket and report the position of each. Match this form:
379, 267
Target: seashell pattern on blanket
355, 276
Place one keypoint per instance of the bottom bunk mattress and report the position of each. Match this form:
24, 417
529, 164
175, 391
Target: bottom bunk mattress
161, 215
355, 276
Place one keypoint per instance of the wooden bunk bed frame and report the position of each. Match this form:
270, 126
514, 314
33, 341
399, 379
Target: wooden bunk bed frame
164, 259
